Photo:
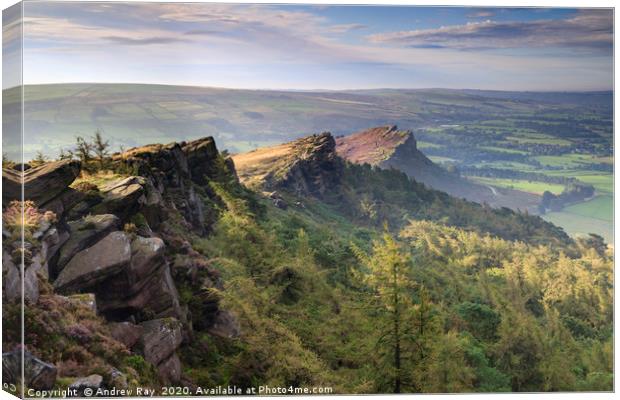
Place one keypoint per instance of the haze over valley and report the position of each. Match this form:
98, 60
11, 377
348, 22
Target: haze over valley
511, 146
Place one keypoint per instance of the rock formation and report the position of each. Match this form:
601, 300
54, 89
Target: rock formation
388, 147
111, 241
307, 167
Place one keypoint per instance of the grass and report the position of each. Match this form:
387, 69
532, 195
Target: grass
578, 225
523, 185
567, 160
600, 207
504, 150
428, 145
100, 178
439, 159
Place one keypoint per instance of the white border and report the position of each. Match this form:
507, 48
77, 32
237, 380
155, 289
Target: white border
481, 3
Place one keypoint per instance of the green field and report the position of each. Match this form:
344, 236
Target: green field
601, 207
570, 160
603, 182
523, 185
577, 225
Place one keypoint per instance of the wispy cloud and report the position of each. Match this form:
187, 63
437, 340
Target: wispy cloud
145, 41
590, 30
481, 13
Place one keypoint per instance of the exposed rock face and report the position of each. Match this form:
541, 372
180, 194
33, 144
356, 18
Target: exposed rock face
145, 284
225, 326
37, 374
84, 233
37, 250
127, 278
305, 167
125, 332
171, 172
41, 184
201, 156
169, 371
159, 343
388, 147
94, 264
122, 198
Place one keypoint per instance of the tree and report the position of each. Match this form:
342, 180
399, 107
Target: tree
65, 154
388, 277
83, 150
100, 148
6, 163
39, 159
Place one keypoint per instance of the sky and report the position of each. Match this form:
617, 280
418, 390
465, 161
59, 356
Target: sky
316, 47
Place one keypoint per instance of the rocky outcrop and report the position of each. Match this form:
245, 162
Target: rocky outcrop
161, 339
144, 289
315, 169
38, 374
305, 167
125, 276
125, 332
40, 244
388, 147
201, 159
84, 233
122, 198
225, 325
93, 265
172, 172
41, 184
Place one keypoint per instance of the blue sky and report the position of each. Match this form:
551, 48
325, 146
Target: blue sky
318, 47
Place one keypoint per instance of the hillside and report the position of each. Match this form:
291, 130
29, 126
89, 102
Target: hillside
387, 147
157, 266
313, 167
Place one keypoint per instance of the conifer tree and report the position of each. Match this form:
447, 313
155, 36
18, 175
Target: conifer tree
388, 277
100, 147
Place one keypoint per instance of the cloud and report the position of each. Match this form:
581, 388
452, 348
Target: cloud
144, 41
590, 31
343, 28
481, 14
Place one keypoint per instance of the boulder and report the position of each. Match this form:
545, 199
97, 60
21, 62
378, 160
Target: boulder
51, 243
143, 289
63, 204
169, 371
160, 340
96, 263
93, 382
147, 256
41, 184
11, 279
225, 325
157, 297
123, 197
31, 285
38, 375
83, 233
126, 332
116, 379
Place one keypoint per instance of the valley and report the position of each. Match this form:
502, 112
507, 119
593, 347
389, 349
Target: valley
518, 144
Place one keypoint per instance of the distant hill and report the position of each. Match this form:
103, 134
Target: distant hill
241, 120
310, 169
388, 147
